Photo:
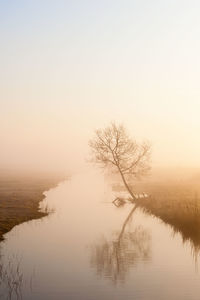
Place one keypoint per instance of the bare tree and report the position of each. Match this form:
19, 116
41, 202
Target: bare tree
112, 146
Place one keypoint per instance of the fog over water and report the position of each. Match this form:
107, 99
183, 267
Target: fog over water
108, 253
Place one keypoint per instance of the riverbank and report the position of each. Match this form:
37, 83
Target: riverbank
174, 198
20, 197
177, 204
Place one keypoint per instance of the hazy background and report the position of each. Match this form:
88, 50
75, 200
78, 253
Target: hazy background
68, 67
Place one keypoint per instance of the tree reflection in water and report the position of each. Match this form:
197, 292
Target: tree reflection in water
114, 258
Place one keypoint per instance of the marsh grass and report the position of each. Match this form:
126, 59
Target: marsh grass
13, 283
177, 204
11, 280
174, 199
20, 198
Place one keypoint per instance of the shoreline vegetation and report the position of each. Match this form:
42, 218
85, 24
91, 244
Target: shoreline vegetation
175, 201
176, 204
20, 196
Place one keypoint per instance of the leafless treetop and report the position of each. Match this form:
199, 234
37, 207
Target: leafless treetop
113, 146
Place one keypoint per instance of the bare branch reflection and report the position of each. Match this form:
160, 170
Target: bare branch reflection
12, 280
114, 258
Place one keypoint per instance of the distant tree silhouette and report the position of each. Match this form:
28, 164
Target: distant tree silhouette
112, 146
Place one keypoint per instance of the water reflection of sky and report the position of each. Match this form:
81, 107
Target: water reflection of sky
80, 240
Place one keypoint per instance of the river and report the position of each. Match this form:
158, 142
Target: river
87, 249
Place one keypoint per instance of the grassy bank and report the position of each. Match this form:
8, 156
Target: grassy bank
174, 198
177, 204
20, 197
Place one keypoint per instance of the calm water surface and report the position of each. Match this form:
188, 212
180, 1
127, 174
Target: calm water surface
88, 249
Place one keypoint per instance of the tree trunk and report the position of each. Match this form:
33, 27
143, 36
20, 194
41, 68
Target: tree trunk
125, 184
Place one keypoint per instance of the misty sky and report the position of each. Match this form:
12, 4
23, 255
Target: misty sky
68, 67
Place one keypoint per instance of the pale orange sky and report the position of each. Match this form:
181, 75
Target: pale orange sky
70, 67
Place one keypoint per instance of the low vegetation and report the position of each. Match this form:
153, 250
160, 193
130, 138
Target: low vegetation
19, 199
177, 204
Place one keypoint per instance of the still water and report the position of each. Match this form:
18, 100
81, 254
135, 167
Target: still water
88, 249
